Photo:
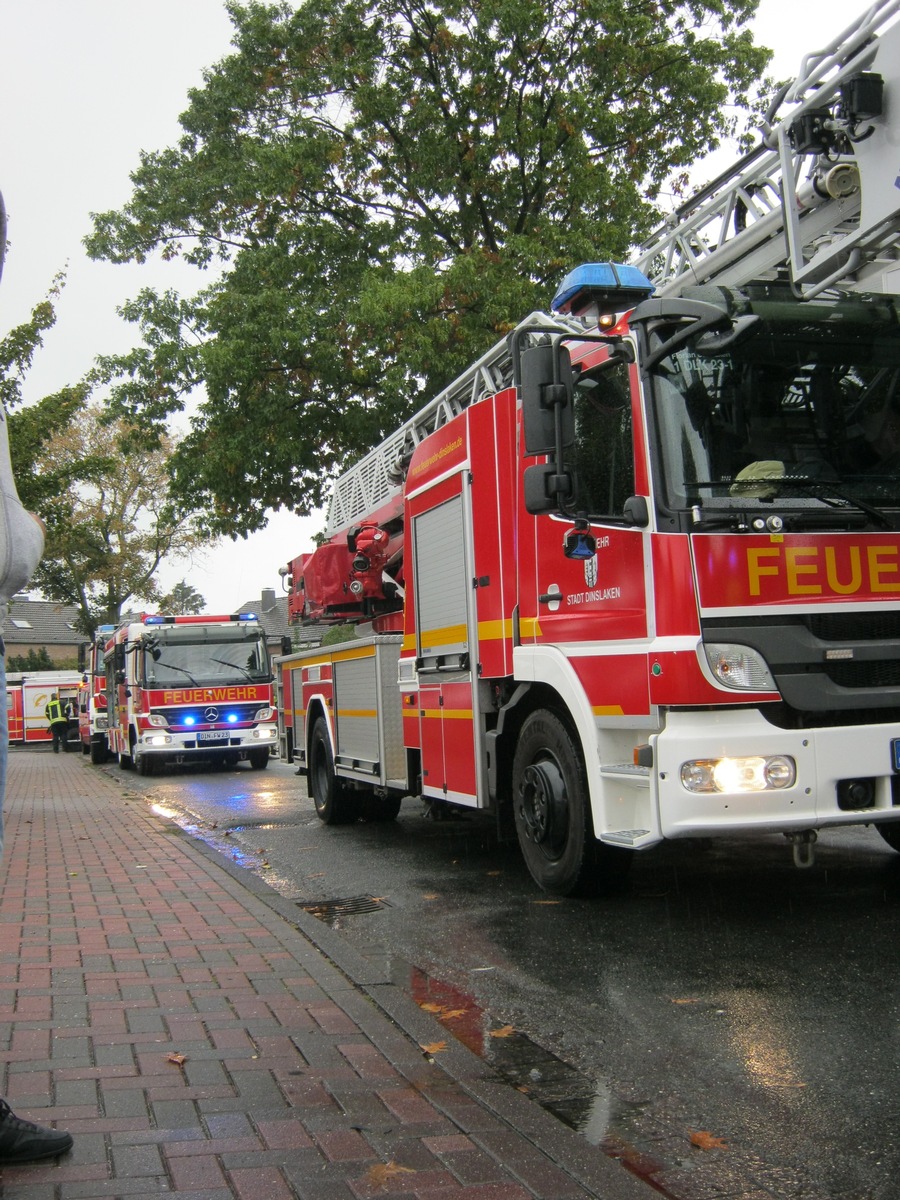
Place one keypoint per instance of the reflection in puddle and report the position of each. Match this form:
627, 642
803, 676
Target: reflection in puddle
583, 1104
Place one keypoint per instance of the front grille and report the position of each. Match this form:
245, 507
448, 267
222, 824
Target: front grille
864, 674
854, 626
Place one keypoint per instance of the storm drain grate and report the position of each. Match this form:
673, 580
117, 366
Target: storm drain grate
350, 906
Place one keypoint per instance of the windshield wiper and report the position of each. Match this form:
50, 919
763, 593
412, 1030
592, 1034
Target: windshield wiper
237, 667
825, 491
172, 667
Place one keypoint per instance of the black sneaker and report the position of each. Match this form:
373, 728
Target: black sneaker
23, 1141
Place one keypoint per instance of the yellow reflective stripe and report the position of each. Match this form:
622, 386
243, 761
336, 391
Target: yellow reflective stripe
450, 635
357, 712
608, 710
338, 656
448, 714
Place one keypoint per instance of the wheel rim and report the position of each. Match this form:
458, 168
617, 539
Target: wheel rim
544, 807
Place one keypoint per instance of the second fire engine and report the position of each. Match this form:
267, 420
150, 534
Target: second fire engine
183, 689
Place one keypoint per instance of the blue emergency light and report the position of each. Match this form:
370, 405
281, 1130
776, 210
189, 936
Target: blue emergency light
611, 287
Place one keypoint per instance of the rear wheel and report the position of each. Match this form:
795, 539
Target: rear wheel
552, 815
380, 808
335, 803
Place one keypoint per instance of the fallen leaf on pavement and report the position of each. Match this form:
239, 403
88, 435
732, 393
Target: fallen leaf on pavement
178, 1059
706, 1141
503, 1031
434, 1047
382, 1173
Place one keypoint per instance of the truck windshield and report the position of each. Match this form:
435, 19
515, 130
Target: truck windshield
804, 412
175, 656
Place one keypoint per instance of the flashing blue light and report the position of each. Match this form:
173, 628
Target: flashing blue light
154, 620
246, 616
190, 720
613, 287
232, 718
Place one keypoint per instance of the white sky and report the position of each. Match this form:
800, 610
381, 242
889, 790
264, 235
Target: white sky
84, 86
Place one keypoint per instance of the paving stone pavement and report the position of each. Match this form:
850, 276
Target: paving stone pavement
202, 1039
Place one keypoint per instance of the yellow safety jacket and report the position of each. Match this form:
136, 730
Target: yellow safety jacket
55, 714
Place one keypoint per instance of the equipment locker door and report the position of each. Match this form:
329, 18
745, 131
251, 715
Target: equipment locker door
450, 725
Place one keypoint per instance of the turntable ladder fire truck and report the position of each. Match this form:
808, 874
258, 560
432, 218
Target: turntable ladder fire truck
636, 574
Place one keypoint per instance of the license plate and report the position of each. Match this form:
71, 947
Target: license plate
895, 753
212, 735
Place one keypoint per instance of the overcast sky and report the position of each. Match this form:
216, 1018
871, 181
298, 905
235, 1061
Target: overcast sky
84, 86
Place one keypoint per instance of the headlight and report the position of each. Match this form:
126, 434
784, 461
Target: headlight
264, 714
739, 667
157, 719
751, 774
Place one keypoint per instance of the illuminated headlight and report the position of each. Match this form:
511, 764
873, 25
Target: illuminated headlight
264, 714
156, 719
739, 667
268, 731
751, 774
156, 739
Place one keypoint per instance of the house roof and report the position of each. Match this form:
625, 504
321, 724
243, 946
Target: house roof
40, 622
272, 611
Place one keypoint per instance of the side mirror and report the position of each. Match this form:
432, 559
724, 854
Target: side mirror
545, 489
286, 645
548, 416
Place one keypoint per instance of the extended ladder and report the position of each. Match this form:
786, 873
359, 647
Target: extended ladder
828, 218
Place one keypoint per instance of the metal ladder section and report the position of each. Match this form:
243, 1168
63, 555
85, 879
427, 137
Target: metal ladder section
764, 212
369, 484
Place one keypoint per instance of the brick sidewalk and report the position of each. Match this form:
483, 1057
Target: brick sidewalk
165, 1007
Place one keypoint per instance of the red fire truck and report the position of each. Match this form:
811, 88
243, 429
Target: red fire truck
92, 699
636, 574
28, 694
183, 689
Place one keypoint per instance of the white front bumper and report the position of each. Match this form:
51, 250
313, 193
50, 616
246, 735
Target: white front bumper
823, 758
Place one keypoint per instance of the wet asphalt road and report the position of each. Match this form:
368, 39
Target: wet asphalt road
725, 994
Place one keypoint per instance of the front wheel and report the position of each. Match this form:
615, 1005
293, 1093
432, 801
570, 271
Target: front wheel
258, 759
552, 815
335, 803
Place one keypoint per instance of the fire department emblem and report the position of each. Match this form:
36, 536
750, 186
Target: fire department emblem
590, 571
211, 715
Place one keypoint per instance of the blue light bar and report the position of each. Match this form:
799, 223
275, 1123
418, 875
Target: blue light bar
246, 616
154, 620
613, 287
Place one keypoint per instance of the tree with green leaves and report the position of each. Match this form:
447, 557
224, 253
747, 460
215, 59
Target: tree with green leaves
385, 188
112, 525
30, 428
183, 598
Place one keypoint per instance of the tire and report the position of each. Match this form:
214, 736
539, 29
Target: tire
380, 808
99, 751
890, 831
258, 759
144, 764
335, 803
552, 814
